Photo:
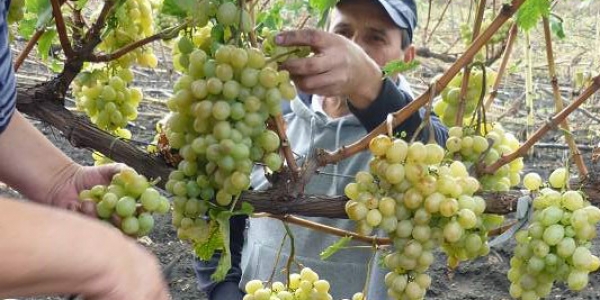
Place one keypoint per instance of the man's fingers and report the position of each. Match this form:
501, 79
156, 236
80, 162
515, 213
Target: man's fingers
307, 66
325, 82
314, 38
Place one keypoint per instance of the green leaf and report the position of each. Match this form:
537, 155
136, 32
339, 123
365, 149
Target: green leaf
225, 261
45, 43
37, 6
56, 66
217, 34
335, 247
177, 8
531, 12
246, 209
556, 25
491, 221
206, 250
323, 7
399, 66
81, 4
27, 28
43, 18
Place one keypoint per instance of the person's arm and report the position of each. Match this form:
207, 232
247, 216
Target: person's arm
29, 162
47, 251
228, 289
392, 99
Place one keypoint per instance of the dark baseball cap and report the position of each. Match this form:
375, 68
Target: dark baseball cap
403, 13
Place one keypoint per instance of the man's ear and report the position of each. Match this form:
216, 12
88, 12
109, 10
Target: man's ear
409, 53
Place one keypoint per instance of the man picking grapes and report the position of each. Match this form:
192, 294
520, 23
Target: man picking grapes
47, 251
344, 97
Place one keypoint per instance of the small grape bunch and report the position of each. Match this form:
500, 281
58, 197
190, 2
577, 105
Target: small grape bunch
305, 285
279, 53
128, 202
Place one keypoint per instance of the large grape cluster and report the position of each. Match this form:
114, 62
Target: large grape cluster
128, 202
447, 107
469, 146
421, 204
303, 286
218, 124
556, 245
134, 21
108, 100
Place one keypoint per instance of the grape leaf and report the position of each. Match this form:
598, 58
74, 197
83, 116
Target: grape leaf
37, 6
225, 261
323, 7
335, 247
246, 209
27, 27
205, 250
81, 4
177, 8
531, 12
45, 42
556, 25
399, 66
491, 221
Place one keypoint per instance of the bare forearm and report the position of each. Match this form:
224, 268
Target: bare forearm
29, 162
46, 251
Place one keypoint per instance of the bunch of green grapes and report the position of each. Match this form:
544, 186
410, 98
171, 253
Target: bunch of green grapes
218, 124
128, 202
466, 32
16, 11
303, 286
422, 204
447, 107
279, 53
134, 21
108, 101
467, 145
556, 245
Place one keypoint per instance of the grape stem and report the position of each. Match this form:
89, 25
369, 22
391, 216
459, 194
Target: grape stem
61, 29
277, 257
400, 116
290, 259
32, 42
512, 37
168, 33
275, 58
326, 229
558, 102
467, 70
550, 124
285, 145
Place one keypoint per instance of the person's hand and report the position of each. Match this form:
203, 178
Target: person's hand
338, 68
75, 178
131, 273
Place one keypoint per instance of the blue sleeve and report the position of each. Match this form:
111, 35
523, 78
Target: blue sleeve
228, 289
392, 99
8, 92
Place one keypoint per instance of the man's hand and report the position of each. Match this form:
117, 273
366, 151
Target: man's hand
74, 179
338, 68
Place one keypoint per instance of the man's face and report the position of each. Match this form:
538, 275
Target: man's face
367, 24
